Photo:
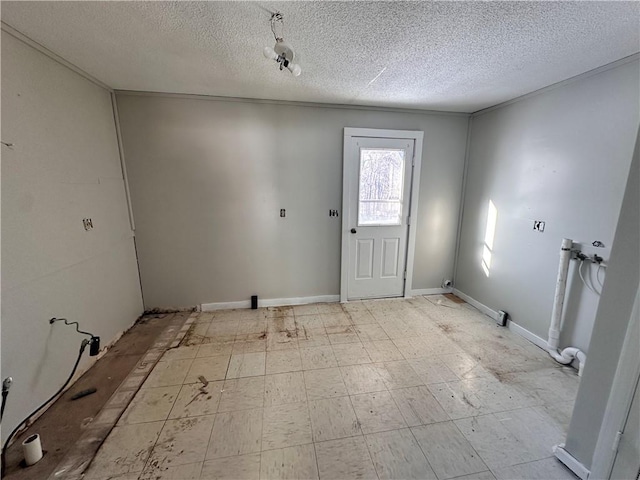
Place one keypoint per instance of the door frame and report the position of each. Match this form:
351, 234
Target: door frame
619, 403
349, 134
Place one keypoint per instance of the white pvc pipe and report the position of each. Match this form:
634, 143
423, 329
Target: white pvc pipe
558, 301
32, 449
567, 355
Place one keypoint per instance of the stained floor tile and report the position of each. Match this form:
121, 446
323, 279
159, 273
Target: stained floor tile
418, 406
346, 458
283, 361
150, 405
455, 401
371, 332
358, 390
361, 317
481, 476
383, 351
195, 400
290, 463
464, 366
283, 339
180, 353
247, 365
284, 388
342, 334
181, 442
398, 374
309, 322
351, 354
548, 468
211, 368
333, 418
312, 337
286, 426
324, 383
236, 433
189, 471
318, 357
397, 455
242, 393
126, 449
245, 467
335, 320
448, 452
215, 348
362, 379
432, 370
165, 374
377, 412
512, 437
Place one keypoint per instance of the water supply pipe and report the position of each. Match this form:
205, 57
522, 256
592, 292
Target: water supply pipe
567, 355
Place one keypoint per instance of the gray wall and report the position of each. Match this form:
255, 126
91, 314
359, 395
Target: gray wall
208, 179
64, 167
562, 157
612, 320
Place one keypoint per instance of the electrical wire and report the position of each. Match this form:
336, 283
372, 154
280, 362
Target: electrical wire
66, 322
83, 345
275, 18
600, 267
595, 292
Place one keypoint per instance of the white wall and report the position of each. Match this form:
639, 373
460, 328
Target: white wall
64, 167
208, 179
562, 157
612, 320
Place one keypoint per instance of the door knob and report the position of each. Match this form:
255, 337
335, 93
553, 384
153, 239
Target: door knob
353, 230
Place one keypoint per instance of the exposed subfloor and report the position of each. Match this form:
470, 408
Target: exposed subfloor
64, 421
424, 388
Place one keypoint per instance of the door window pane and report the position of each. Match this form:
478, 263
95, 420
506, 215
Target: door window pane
381, 186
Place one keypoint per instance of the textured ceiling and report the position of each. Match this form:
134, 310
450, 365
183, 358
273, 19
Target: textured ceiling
450, 56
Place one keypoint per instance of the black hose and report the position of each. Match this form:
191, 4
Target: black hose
83, 345
5, 393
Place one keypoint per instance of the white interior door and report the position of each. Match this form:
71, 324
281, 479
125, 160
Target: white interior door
378, 174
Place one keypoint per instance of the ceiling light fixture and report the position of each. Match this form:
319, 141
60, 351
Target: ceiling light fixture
282, 53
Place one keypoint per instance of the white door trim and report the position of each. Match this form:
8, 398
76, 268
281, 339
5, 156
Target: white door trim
417, 137
619, 403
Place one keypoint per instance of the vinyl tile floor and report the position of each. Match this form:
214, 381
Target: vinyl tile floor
421, 388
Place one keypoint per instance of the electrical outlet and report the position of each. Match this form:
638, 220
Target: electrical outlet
87, 223
538, 225
333, 213
283, 212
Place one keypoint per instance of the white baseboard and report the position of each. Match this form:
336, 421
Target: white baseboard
430, 291
572, 464
532, 337
270, 302
514, 327
480, 306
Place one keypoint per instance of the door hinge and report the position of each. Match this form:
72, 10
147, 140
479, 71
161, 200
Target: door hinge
413, 161
616, 442
409, 220
405, 275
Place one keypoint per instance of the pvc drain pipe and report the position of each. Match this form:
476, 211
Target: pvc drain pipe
32, 449
567, 355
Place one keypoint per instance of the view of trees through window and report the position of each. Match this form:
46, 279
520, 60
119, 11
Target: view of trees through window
381, 184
